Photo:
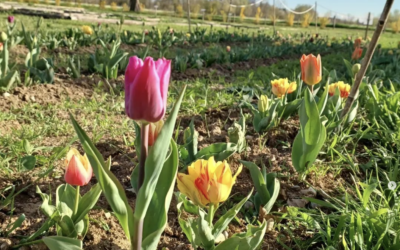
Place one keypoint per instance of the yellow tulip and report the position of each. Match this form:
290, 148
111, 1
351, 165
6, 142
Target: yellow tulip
87, 30
282, 86
207, 182
263, 103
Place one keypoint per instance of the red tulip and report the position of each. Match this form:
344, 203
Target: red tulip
357, 53
78, 169
146, 88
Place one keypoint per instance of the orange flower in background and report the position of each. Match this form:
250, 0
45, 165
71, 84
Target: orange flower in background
154, 130
207, 182
282, 86
311, 69
78, 170
344, 89
357, 43
357, 53
1, 46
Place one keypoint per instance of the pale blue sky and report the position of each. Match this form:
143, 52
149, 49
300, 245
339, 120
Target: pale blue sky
357, 8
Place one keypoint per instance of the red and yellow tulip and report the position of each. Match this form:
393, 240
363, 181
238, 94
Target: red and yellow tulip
357, 53
344, 89
207, 182
78, 170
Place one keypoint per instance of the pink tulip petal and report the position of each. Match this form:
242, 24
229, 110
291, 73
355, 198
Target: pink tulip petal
163, 68
145, 101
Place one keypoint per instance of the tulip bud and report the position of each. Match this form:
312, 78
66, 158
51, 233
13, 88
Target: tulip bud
78, 170
356, 67
10, 19
146, 88
263, 103
3, 36
154, 130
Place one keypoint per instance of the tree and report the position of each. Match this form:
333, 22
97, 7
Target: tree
135, 5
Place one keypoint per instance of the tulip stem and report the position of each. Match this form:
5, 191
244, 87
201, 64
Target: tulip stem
211, 212
77, 200
144, 150
311, 88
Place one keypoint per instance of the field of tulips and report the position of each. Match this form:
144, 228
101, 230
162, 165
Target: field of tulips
213, 139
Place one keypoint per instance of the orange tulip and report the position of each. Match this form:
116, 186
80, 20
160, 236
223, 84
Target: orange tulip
357, 53
357, 43
154, 130
207, 182
78, 169
311, 69
1, 46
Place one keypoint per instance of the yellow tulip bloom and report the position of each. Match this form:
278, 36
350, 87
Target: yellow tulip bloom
207, 182
282, 86
87, 30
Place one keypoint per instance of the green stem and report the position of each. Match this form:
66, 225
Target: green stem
211, 212
76, 200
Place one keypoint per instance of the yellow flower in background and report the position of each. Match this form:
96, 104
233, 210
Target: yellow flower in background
282, 86
188, 35
344, 89
390, 52
207, 182
87, 30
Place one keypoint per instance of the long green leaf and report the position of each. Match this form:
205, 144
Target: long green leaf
157, 213
258, 181
245, 241
113, 190
62, 243
224, 220
87, 202
154, 163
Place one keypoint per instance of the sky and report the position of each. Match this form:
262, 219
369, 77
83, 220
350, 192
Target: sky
357, 8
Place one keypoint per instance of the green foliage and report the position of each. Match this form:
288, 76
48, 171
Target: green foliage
311, 136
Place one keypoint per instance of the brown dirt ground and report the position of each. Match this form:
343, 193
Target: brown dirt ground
28, 202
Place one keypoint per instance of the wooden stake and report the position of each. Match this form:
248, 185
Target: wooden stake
366, 30
368, 56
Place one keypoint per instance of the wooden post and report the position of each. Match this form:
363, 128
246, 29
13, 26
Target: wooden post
188, 15
366, 30
334, 22
316, 17
367, 58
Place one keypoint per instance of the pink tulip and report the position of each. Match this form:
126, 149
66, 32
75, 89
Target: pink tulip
10, 19
78, 170
146, 88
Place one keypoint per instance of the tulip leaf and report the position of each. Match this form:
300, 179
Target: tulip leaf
323, 100
157, 213
62, 243
46, 208
188, 206
249, 240
220, 151
274, 184
311, 137
65, 199
258, 181
309, 120
204, 231
113, 190
87, 202
224, 220
154, 164
66, 227
188, 226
